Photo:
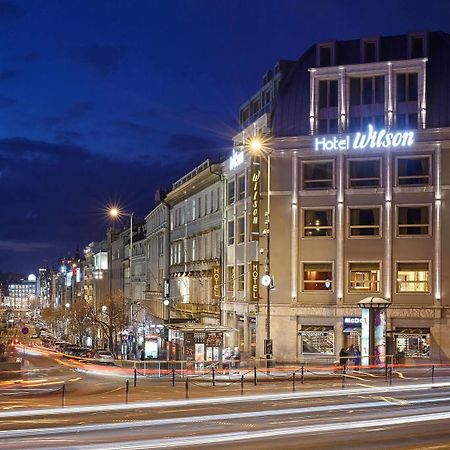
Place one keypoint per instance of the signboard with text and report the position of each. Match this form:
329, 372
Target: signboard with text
255, 187
254, 281
216, 283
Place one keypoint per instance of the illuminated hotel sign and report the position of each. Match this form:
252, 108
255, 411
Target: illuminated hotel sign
254, 281
370, 140
216, 291
236, 159
255, 180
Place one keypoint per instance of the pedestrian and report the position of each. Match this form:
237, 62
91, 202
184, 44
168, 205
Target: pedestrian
350, 354
356, 358
343, 358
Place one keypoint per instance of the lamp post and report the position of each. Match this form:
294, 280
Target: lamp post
117, 213
257, 148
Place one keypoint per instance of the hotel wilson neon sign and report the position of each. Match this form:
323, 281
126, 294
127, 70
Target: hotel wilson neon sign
370, 140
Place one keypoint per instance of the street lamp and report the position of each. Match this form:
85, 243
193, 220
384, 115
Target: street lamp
258, 148
116, 213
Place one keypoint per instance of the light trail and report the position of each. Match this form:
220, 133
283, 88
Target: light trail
221, 400
5, 434
264, 434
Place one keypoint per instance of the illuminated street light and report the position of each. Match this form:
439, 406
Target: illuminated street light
114, 212
255, 144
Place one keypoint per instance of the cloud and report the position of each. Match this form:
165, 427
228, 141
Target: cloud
24, 247
10, 11
124, 126
6, 75
102, 59
6, 102
75, 112
191, 146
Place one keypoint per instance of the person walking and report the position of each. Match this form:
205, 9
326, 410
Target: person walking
343, 358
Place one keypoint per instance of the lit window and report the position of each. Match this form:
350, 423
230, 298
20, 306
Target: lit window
317, 222
364, 222
413, 277
317, 276
413, 171
364, 277
230, 278
407, 87
413, 220
318, 175
364, 173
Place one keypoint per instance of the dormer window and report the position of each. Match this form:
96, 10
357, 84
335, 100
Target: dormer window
370, 50
325, 55
417, 45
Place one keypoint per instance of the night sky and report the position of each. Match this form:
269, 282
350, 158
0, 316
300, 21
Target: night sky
105, 101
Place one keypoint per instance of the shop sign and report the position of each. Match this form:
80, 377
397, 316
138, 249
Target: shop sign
216, 288
166, 288
237, 158
255, 180
371, 140
213, 339
254, 281
353, 321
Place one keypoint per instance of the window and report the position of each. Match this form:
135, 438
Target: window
319, 340
317, 222
230, 278
241, 230
230, 232
194, 214
256, 106
413, 342
364, 173
328, 126
364, 277
413, 171
407, 121
370, 52
318, 175
407, 87
325, 56
417, 47
317, 276
328, 93
245, 114
241, 278
230, 192
241, 187
367, 91
413, 220
364, 222
413, 277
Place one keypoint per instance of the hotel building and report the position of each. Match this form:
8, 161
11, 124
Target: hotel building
355, 182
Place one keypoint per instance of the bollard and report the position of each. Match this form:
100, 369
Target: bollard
343, 380
127, 388
242, 384
187, 388
64, 395
173, 377
135, 377
254, 375
303, 376
213, 377
293, 382
432, 373
390, 377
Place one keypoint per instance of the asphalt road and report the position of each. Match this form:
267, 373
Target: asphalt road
366, 414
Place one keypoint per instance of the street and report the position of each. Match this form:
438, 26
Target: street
410, 414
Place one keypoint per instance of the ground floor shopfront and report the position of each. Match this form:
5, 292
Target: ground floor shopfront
307, 333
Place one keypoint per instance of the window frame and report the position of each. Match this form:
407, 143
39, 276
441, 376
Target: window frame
359, 291
240, 232
316, 291
414, 205
231, 239
380, 225
318, 161
429, 281
240, 285
372, 158
320, 208
430, 170
240, 195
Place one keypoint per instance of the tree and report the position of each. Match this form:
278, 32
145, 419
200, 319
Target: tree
111, 317
79, 320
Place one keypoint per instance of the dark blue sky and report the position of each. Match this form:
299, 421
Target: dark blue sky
104, 100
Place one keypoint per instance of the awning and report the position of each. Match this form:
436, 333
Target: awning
412, 331
352, 330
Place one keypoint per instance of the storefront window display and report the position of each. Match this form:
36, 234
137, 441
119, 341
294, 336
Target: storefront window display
317, 340
412, 343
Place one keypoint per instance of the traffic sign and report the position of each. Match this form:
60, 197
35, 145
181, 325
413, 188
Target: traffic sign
25, 330
266, 280
268, 346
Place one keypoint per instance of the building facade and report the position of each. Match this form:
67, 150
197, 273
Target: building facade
358, 165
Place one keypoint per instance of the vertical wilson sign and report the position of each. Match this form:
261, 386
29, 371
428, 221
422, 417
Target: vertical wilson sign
254, 281
166, 288
255, 187
216, 290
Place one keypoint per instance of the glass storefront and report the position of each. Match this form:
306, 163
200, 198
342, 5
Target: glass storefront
412, 343
317, 340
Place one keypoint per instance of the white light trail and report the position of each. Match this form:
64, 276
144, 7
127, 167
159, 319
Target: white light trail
221, 400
